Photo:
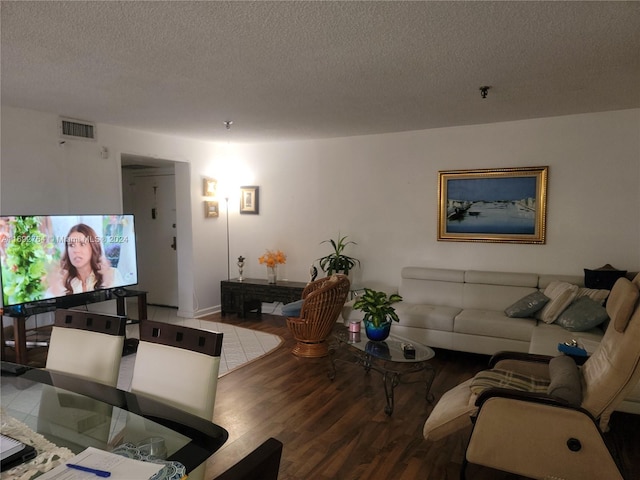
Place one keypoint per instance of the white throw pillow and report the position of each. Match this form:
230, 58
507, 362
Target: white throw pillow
594, 294
561, 295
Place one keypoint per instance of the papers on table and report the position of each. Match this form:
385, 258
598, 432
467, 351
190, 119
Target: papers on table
121, 468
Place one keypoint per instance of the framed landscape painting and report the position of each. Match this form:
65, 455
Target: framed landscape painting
506, 205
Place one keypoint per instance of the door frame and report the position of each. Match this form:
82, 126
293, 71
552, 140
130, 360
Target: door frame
182, 179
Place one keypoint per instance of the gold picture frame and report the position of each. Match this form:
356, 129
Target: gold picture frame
507, 205
250, 200
209, 187
211, 209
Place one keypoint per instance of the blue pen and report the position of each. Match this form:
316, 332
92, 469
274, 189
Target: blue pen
95, 471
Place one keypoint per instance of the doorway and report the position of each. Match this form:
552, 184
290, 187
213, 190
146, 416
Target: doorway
149, 192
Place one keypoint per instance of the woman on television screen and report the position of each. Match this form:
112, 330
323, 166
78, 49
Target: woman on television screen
84, 267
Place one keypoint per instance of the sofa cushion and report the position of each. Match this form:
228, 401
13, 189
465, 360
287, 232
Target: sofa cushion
583, 314
527, 305
492, 297
490, 323
546, 337
545, 279
431, 292
561, 295
426, 316
501, 278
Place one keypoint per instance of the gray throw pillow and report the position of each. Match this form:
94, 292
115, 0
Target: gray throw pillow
527, 305
583, 314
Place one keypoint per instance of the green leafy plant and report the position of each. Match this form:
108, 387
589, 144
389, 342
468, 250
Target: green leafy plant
337, 261
27, 258
377, 306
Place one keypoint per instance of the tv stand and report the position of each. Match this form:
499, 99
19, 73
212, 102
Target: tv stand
19, 330
122, 294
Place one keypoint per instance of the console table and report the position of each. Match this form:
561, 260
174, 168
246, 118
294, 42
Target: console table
244, 296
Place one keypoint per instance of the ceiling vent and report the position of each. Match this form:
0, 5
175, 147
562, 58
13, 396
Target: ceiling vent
77, 129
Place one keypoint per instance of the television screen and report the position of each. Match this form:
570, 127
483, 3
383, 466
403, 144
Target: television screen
46, 257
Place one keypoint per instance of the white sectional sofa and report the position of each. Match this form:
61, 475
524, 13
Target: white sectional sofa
463, 310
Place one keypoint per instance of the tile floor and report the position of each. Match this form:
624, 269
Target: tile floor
239, 345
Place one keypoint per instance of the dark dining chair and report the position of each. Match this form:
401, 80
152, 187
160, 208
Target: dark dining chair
263, 463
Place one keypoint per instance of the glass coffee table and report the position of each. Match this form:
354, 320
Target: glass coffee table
387, 358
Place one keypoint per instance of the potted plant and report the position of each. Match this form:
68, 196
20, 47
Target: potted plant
378, 312
337, 261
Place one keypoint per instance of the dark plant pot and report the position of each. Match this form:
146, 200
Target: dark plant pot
377, 334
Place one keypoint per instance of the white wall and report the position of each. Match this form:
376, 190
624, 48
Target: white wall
380, 190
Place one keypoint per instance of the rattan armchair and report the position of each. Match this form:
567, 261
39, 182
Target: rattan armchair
323, 302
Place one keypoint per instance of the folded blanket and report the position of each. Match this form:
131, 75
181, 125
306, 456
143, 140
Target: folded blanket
508, 379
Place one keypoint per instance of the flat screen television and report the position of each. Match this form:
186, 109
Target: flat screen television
58, 261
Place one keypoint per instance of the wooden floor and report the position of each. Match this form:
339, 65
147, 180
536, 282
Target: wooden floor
338, 430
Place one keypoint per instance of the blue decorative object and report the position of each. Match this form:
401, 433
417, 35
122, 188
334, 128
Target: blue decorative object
377, 334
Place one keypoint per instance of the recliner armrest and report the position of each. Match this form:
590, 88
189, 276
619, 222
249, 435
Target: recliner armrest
540, 398
519, 356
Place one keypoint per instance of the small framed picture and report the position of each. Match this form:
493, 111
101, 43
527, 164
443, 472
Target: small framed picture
211, 209
209, 187
250, 200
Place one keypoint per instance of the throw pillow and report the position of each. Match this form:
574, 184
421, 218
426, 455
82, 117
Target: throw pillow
561, 295
292, 309
602, 278
594, 294
527, 305
583, 314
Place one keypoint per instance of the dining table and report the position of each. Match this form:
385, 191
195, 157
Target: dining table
62, 415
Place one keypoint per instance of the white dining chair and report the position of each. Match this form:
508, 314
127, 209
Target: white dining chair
87, 344
179, 366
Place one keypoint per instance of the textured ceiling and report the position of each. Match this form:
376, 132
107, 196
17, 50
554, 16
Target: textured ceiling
297, 70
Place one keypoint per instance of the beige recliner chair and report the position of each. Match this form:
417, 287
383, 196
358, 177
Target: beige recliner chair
556, 432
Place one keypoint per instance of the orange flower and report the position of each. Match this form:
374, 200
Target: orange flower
271, 258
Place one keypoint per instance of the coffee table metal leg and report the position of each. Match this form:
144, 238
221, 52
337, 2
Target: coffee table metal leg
431, 372
390, 380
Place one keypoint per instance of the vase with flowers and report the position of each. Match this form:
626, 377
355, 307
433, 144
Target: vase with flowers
272, 259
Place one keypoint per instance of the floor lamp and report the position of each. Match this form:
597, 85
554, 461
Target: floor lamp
226, 199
